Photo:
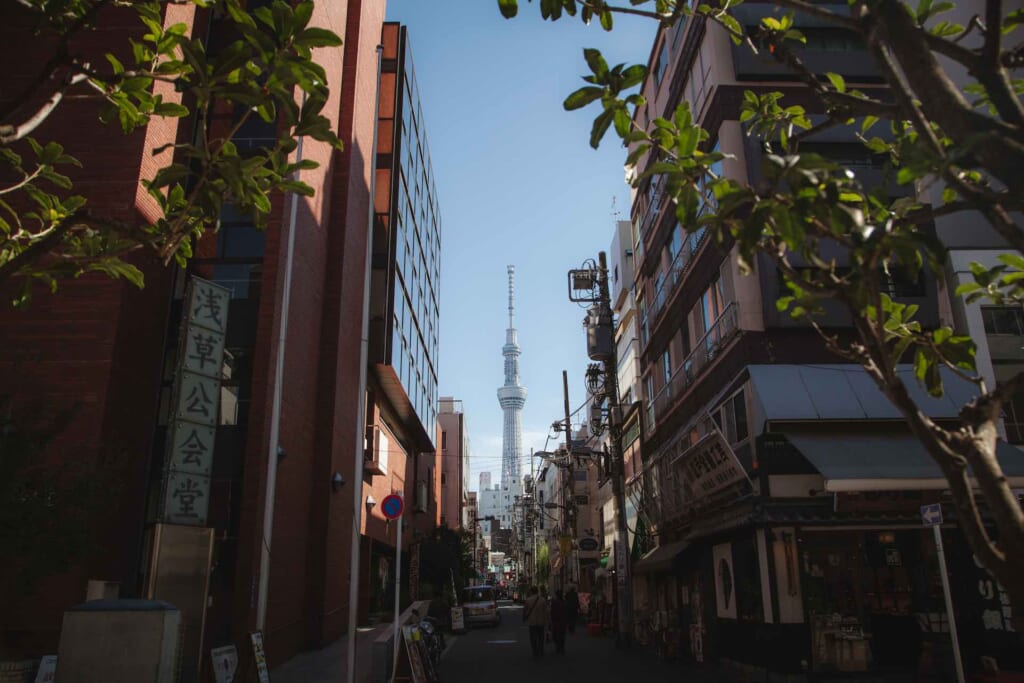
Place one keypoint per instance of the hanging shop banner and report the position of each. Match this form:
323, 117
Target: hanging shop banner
706, 469
725, 581
193, 427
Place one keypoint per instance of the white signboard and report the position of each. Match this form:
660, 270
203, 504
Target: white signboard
458, 622
191, 448
225, 663
192, 432
725, 581
621, 557
186, 499
202, 351
707, 467
208, 305
197, 398
47, 669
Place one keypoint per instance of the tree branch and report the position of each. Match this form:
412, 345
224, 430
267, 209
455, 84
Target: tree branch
948, 48
821, 13
623, 10
12, 133
60, 58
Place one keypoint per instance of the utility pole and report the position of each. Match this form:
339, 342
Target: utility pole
571, 503
590, 285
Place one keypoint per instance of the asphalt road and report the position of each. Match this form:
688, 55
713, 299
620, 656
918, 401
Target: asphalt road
502, 654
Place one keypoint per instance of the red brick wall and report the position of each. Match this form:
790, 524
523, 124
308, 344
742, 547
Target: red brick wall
97, 343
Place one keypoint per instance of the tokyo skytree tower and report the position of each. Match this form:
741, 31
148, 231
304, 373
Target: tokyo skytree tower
512, 396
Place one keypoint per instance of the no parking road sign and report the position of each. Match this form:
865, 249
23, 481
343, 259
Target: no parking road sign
392, 506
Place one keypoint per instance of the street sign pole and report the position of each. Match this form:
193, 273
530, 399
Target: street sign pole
949, 604
931, 515
398, 588
393, 506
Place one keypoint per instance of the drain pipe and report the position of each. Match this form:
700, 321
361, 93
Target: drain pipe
364, 358
275, 450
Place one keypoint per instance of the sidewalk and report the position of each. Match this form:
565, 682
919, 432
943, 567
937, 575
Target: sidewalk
330, 665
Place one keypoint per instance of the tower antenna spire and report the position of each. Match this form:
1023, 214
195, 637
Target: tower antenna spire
511, 296
511, 395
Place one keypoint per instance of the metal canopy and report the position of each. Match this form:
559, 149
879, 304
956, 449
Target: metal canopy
885, 462
660, 558
846, 392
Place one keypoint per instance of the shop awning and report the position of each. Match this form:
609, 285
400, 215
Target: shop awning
846, 392
885, 462
660, 558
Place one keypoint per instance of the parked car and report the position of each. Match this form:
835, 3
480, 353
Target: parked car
480, 605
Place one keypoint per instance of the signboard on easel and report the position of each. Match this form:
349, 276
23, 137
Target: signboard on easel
413, 665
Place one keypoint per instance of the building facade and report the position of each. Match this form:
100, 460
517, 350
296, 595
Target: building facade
287, 431
779, 489
404, 318
454, 464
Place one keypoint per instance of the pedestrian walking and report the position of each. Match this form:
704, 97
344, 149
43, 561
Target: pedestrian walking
558, 622
535, 614
572, 608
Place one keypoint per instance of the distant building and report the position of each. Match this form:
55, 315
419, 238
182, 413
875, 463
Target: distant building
485, 480
454, 458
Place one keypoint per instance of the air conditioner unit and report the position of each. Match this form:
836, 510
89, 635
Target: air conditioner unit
375, 450
421, 497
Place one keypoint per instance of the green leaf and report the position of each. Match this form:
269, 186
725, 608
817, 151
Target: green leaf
318, 37
508, 8
606, 20
170, 109
600, 127
596, 62
582, 97
837, 81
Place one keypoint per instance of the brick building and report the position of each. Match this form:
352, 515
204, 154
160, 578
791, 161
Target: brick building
105, 349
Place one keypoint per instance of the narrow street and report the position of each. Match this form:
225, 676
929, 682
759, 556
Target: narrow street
502, 655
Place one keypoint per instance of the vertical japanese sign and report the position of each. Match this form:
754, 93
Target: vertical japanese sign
193, 424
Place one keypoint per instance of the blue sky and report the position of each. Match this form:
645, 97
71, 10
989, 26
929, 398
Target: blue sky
518, 184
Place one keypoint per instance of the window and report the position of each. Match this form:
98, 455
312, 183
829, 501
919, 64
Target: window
444, 439
1003, 319
662, 64
712, 303
444, 478
739, 409
579, 475
666, 366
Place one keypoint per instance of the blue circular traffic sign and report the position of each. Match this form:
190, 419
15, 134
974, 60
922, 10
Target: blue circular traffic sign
392, 506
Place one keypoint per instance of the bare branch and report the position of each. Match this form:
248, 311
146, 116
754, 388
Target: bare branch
623, 10
13, 133
951, 49
821, 13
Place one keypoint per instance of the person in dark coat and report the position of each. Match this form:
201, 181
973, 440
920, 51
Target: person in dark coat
572, 608
557, 618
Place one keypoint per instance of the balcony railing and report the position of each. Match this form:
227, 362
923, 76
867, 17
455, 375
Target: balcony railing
704, 351
676, 273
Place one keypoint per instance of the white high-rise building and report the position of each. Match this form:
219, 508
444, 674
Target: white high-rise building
485, 481
512, 397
